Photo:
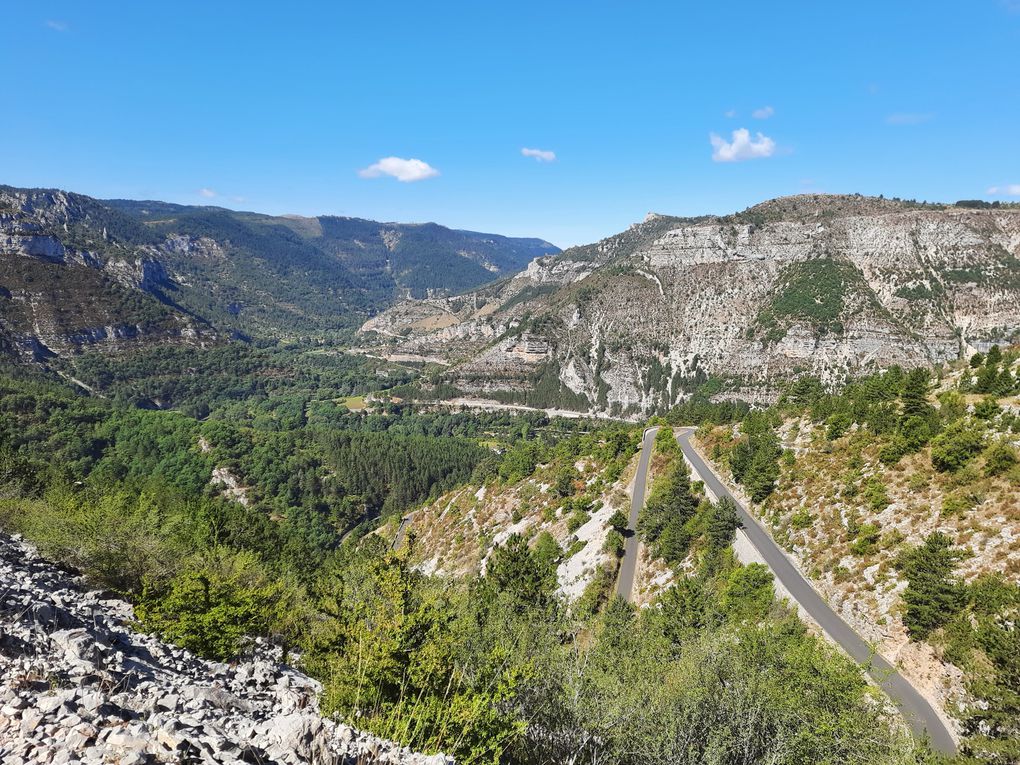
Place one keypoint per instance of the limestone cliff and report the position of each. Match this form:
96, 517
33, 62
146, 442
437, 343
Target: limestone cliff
827, 285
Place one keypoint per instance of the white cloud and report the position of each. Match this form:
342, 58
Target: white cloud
207, 193
730, 114
741, 147
540, 155
1009, 190
763, 113
57, 26
908, 118
404, 170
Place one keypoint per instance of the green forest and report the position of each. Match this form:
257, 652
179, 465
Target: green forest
493, 668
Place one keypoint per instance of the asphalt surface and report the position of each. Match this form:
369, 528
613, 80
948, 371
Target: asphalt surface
625, 580
916, 710
398, 538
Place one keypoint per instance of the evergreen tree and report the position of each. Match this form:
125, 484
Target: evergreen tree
914, 397
987, 378
722, 524
933, 595
515, 570
762, 474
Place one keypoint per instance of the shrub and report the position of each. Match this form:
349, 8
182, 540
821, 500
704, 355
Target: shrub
802, 519
547, 550
614, 543
576, 520
1000, 457
748, 592
563, 484
837, 425
957, 504
665, 441
618, 521
875, 494
866, 539
956, 446
986, 409
219, 598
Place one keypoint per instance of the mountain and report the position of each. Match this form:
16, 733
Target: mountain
77, 271
831, 286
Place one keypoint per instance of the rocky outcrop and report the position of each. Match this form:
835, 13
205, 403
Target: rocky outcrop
78, 685
244, 274
825, 285
68, 284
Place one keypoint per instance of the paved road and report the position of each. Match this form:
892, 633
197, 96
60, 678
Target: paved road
919, 714
398, 538
625, 580
497, 406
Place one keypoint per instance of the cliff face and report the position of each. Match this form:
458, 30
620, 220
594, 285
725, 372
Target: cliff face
77, 272
832, 286
67, 283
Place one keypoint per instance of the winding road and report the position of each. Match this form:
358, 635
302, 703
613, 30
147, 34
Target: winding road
915, 708
922, 718
625, 579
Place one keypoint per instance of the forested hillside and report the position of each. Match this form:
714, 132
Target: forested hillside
240, 524
77, 272
898, 496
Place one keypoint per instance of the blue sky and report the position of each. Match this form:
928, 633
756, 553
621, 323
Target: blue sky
292, 107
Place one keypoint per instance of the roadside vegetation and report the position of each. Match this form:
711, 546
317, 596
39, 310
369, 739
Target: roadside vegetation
905, 481
494, 667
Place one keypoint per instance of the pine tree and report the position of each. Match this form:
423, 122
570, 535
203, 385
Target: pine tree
914, 396
933, 595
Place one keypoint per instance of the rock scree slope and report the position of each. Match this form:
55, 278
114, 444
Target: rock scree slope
78, 685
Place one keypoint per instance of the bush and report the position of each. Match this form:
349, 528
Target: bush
119, 539
563, 484
837, 425
802, 519
618, 521
547, 550
665, 441
218, 599
957, 504
956, 446
577, 519
893, 450
614, 543
1000, 458
986, 409
866, 539
875, 494
748, 592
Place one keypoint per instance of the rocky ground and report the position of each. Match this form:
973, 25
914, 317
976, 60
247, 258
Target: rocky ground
78, 685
